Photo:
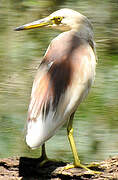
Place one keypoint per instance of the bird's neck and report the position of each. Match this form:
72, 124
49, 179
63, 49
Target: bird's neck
84, 32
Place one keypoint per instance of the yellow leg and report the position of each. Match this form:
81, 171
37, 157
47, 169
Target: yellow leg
43, 158
74, 149
43, 153
71, 140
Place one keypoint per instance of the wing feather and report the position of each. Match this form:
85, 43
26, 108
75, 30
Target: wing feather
62, 81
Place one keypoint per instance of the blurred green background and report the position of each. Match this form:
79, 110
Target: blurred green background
96, 121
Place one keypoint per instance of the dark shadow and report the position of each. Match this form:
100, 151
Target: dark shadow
30, 167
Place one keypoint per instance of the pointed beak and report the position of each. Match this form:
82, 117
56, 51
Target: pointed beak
35, 24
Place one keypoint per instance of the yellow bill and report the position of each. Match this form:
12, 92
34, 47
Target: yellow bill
35, 24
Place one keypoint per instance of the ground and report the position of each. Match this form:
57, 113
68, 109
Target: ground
29, 169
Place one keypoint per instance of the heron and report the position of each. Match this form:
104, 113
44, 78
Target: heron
64, 78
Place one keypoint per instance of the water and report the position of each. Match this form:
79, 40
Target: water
96, 121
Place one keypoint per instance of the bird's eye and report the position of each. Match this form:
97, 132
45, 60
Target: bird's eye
59, 19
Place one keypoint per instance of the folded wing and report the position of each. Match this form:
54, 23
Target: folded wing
62, 81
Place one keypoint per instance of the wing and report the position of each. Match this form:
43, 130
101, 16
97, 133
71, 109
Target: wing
62, 81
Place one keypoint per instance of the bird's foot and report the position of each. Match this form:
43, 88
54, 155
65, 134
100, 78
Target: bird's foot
93, 165
42, 162
76, 165
45, 160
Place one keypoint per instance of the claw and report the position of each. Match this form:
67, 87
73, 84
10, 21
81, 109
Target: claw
88, 171
43, 162
93, 165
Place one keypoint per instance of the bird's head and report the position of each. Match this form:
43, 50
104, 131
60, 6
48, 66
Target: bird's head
64, 19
